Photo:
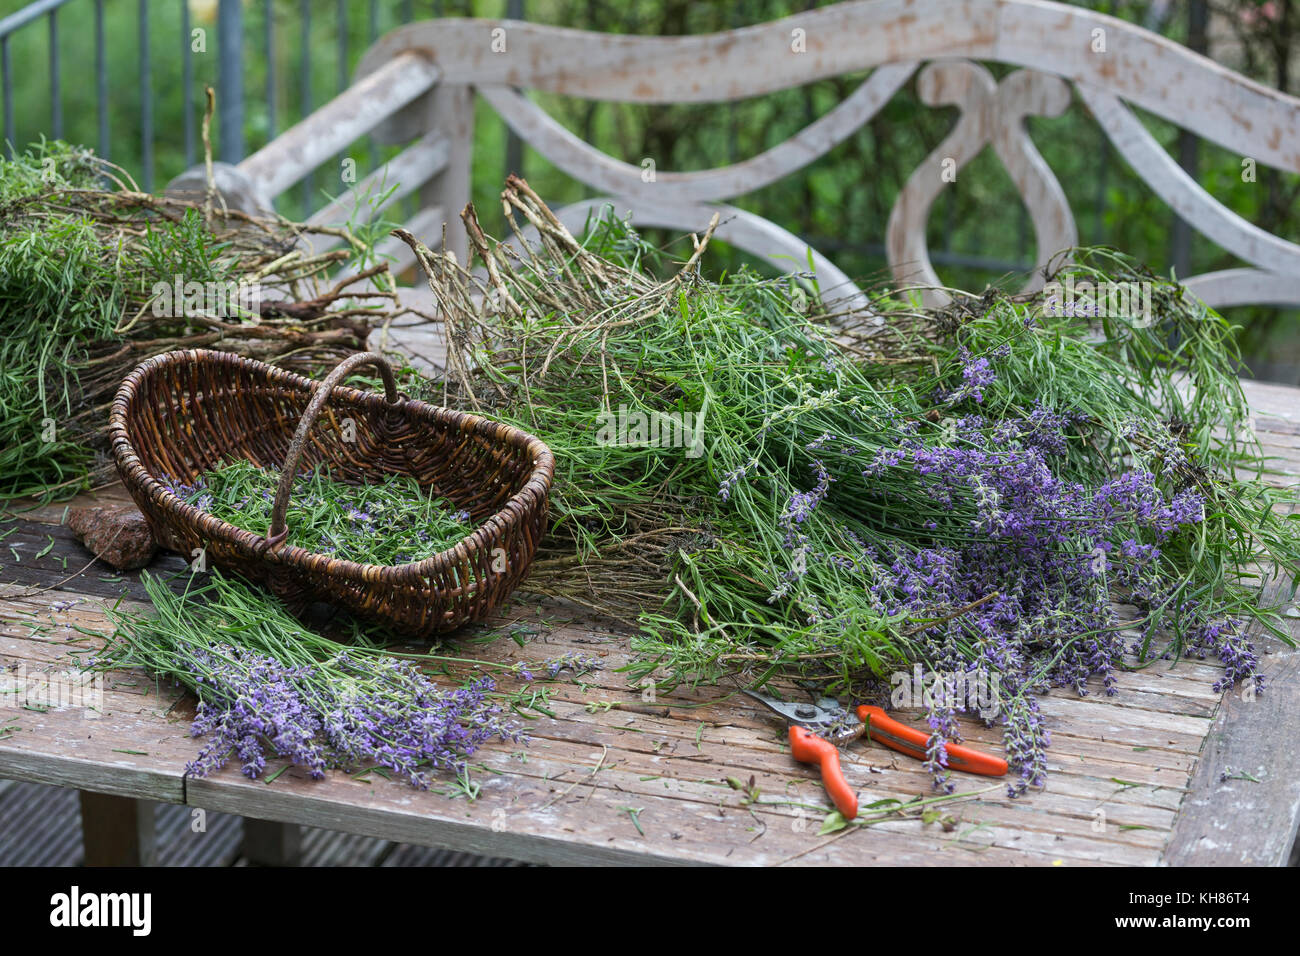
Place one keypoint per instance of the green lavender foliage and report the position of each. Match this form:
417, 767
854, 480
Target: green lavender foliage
769, 380
389, 521
58, 291
64, 286
213, 610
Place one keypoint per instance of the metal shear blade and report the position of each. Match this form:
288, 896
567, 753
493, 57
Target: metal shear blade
825, 717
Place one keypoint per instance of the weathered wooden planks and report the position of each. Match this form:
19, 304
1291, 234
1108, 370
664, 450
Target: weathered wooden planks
1228, 818
298, 150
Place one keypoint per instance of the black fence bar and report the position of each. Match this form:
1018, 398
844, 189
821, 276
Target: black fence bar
514, 145
342, 17
1180, 235
230, 79
372, 32
341, 28
187, 82
101, 80
56, 84
1100, 202
146, 101
304, 107
6, 77
938, 257
268, 43
949, 217
1022, 247
412, 202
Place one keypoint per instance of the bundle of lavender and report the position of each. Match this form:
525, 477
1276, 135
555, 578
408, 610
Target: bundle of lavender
269, 686
763, 487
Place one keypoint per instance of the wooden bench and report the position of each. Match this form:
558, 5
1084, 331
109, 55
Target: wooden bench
1166, 772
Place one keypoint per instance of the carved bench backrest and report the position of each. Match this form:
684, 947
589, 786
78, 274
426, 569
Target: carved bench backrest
1110, 63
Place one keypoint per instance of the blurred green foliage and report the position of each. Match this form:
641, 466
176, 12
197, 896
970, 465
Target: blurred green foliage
840, 203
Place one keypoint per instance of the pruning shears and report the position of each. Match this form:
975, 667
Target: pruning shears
818, 728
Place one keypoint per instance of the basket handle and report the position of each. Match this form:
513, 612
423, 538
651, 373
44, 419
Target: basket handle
279, 529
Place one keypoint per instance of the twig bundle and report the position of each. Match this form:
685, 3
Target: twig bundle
96, 278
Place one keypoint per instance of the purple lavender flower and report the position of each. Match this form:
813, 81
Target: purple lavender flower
187, 493
732, 478
398, 719
1027, 741
943, 730
1042, 558
976, 375
579, 664
379, 711
1226, 639
247, 701
802, 503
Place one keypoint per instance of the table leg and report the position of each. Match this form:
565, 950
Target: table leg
117, 831
270, 843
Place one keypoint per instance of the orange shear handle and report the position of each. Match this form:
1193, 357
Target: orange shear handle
807, 747
908, 740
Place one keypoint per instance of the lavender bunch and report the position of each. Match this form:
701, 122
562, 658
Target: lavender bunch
249, 703
970, 489
269, 687
1037, 559
385, 712
1039, 556
987, 518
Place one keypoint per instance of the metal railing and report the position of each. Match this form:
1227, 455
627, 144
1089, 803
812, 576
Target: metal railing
233, 44
49, 9
30, 14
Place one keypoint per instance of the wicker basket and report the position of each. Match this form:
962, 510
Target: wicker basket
184, 413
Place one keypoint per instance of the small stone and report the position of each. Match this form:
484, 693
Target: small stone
119, 536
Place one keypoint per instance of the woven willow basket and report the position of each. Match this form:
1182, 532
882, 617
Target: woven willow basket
183, 413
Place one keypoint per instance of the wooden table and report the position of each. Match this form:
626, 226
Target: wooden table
1168, 771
